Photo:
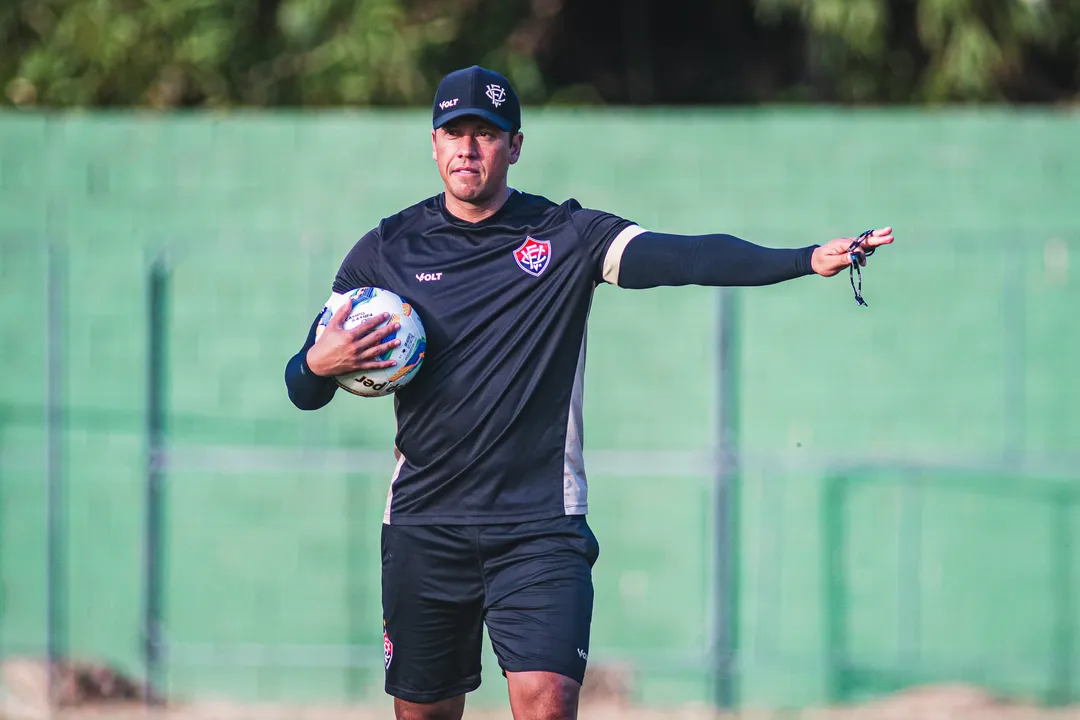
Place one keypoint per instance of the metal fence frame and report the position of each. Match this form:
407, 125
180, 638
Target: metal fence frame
722, 647
1057, 489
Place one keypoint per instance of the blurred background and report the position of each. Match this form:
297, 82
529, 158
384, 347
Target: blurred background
801, 503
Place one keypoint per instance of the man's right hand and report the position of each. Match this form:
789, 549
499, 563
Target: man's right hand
339, 351
832, 257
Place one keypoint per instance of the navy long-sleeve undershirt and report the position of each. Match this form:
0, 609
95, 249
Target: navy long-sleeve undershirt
659, 259
307, 390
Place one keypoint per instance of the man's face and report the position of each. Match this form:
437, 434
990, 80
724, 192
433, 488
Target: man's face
473, 157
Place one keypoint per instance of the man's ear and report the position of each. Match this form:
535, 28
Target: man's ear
434, 155
515, 147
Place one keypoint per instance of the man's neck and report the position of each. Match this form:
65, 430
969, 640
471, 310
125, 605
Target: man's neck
475, 212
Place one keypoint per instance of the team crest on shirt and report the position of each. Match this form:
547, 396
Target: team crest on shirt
533, 255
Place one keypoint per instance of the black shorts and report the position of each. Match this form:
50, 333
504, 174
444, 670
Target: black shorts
530, 582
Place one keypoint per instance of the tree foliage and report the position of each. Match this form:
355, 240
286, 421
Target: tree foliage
182, 53
939, 50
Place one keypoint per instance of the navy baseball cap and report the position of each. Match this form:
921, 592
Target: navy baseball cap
476, 91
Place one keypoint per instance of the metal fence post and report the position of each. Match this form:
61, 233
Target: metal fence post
725, 645
834, 588
3, 425
157, 335
909, 576
1064, 598
56, 579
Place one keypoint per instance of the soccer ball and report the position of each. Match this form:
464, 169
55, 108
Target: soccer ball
368, 301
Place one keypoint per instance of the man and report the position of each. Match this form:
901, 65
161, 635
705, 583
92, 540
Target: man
485, 517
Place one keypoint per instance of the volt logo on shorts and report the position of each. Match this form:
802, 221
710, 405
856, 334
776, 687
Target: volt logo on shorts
583, 655
427, 277
387, 648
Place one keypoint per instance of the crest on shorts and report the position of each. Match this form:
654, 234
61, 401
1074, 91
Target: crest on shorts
533, 255
387, 647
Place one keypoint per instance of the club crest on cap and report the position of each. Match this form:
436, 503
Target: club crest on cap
496, 94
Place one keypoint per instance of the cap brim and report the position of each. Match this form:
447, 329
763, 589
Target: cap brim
497, 120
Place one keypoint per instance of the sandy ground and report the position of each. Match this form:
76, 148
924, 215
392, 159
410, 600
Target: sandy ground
22, 697
896, 712
934, 704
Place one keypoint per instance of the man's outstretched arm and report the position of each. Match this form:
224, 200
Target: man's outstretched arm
641, 259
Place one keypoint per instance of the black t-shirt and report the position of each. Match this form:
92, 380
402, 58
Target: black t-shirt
490, 428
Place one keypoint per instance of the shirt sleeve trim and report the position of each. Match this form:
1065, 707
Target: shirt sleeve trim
613, 257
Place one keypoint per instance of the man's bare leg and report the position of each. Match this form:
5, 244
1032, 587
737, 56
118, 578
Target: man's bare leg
543, 696
449, 709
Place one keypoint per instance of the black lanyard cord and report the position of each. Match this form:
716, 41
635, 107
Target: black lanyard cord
854, 266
